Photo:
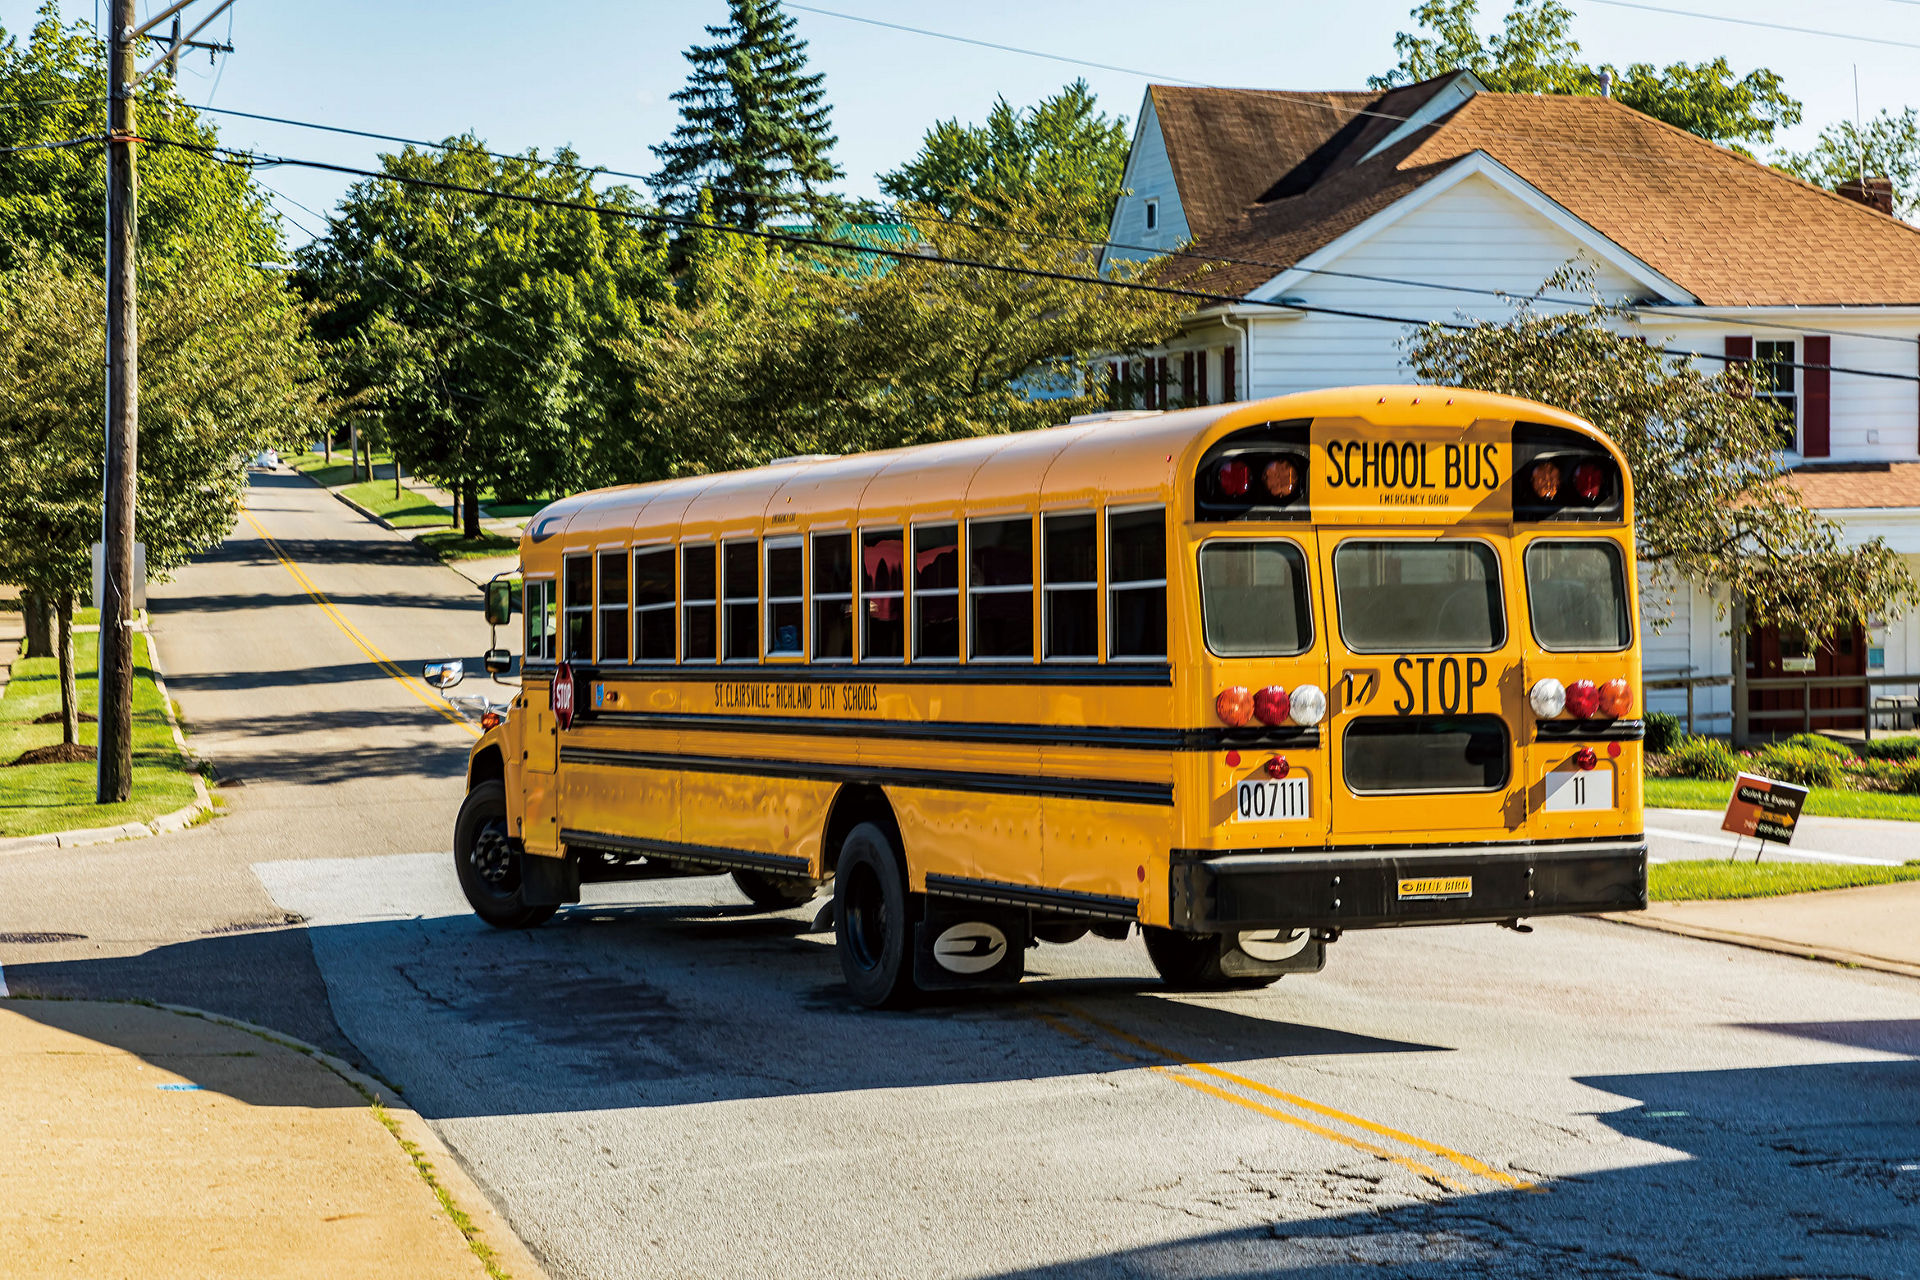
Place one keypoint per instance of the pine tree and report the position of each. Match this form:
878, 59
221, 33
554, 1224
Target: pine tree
753, 126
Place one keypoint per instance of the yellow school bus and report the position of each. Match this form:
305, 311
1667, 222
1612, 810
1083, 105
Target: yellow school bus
1244, 677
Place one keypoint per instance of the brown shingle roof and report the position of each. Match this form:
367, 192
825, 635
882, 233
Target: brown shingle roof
1728, 229
1826, 486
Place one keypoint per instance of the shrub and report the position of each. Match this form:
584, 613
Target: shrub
1888, 773
1663, 730
1702, 758
1802, 766
1909, 781
1818, 742
1891, 749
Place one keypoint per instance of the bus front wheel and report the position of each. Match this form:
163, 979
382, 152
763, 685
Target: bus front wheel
873, 919
488, 861
1191, 961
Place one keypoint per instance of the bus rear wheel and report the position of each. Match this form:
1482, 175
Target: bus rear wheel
1191, 961
873, 919
774, 893
488, 862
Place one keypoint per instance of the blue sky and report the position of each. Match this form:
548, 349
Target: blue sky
597, 73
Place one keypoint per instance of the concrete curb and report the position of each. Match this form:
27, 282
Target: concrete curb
1757, 942
178, 820
511, 1254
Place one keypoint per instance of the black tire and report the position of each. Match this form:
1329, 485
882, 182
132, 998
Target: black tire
1191, 961
774, 893
873, 919
487, 861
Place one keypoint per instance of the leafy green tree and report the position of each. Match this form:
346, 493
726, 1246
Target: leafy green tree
764, 354
1063, 146
754, 127
477, 327
226, 369
1888, 146
1712, 504
1535, 52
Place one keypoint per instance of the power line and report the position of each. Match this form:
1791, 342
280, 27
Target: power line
52, 146
1748, 22
228, 155
1061, 237
20, 103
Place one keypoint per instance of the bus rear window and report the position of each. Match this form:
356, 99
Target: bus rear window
1403, 596
1426, 753
1577, 594
1253, 598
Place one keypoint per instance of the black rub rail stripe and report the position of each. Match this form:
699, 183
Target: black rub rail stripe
1065, 901
1031, 735
716, 855
1601, 730
1496, 846
1118, 791
1150, 674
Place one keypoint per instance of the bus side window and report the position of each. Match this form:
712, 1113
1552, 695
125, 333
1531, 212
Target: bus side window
1137, 583
1000, 588
613, 606
1070, 586
832, 597
577, 607
786, 596
883, 585
653, 604
697, 603
740, 600
538, 607
936, 591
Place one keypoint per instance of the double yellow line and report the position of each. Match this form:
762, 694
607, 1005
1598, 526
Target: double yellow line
387, 666
1204, 1077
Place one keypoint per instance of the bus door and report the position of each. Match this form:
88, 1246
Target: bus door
1425, 693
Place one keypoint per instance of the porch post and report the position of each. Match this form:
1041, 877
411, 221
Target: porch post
1740, 733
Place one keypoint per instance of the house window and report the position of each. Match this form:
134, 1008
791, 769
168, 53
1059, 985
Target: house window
832, 597
613, 606
786, 597
1773, 380
1153, 215
653, 604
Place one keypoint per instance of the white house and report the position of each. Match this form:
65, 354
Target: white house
1378, 210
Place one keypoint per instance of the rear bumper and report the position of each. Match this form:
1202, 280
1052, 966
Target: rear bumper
1360, 889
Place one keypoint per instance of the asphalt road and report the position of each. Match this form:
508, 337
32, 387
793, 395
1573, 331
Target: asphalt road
660, 1083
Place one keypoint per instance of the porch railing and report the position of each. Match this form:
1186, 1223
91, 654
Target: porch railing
1807, 711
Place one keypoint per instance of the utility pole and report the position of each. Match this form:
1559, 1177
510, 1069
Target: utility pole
114, 778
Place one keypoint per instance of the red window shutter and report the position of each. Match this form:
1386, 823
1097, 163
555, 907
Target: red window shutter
1186, 377
1200, 377
1229, 373
1816, 382
1739, 347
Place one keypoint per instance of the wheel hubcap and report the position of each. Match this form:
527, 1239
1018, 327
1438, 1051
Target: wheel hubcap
492, 856
866, 919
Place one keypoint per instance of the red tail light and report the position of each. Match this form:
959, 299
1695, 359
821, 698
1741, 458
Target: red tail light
1277, 767
1616, 698
1282, 478
1586, 758
1235, 478
1589, 480
1583, 699
1546, 480
490, 720
1234, 706
1271, 705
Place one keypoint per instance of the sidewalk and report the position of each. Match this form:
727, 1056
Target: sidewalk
142, 1142
1695, 833
1874, 928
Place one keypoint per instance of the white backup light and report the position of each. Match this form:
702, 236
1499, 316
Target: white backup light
1307, 705
1549, 698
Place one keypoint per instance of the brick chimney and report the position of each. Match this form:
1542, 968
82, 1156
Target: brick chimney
1875, 193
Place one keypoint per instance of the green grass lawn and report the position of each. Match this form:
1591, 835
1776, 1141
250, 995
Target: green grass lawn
511, 510
448, 544
1691, 881
59, 797
1696, 793
408, 511
340, 471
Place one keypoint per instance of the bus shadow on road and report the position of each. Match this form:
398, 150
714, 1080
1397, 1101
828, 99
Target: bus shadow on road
1808, 1170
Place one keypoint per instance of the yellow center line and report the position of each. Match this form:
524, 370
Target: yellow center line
387, 666
1474, 1166
1318, 1130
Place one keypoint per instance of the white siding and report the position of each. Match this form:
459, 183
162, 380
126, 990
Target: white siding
1149, 176
1474, 236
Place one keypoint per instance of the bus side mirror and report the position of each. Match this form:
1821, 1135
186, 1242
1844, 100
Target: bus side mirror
499, 603
444, 675
498, 661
